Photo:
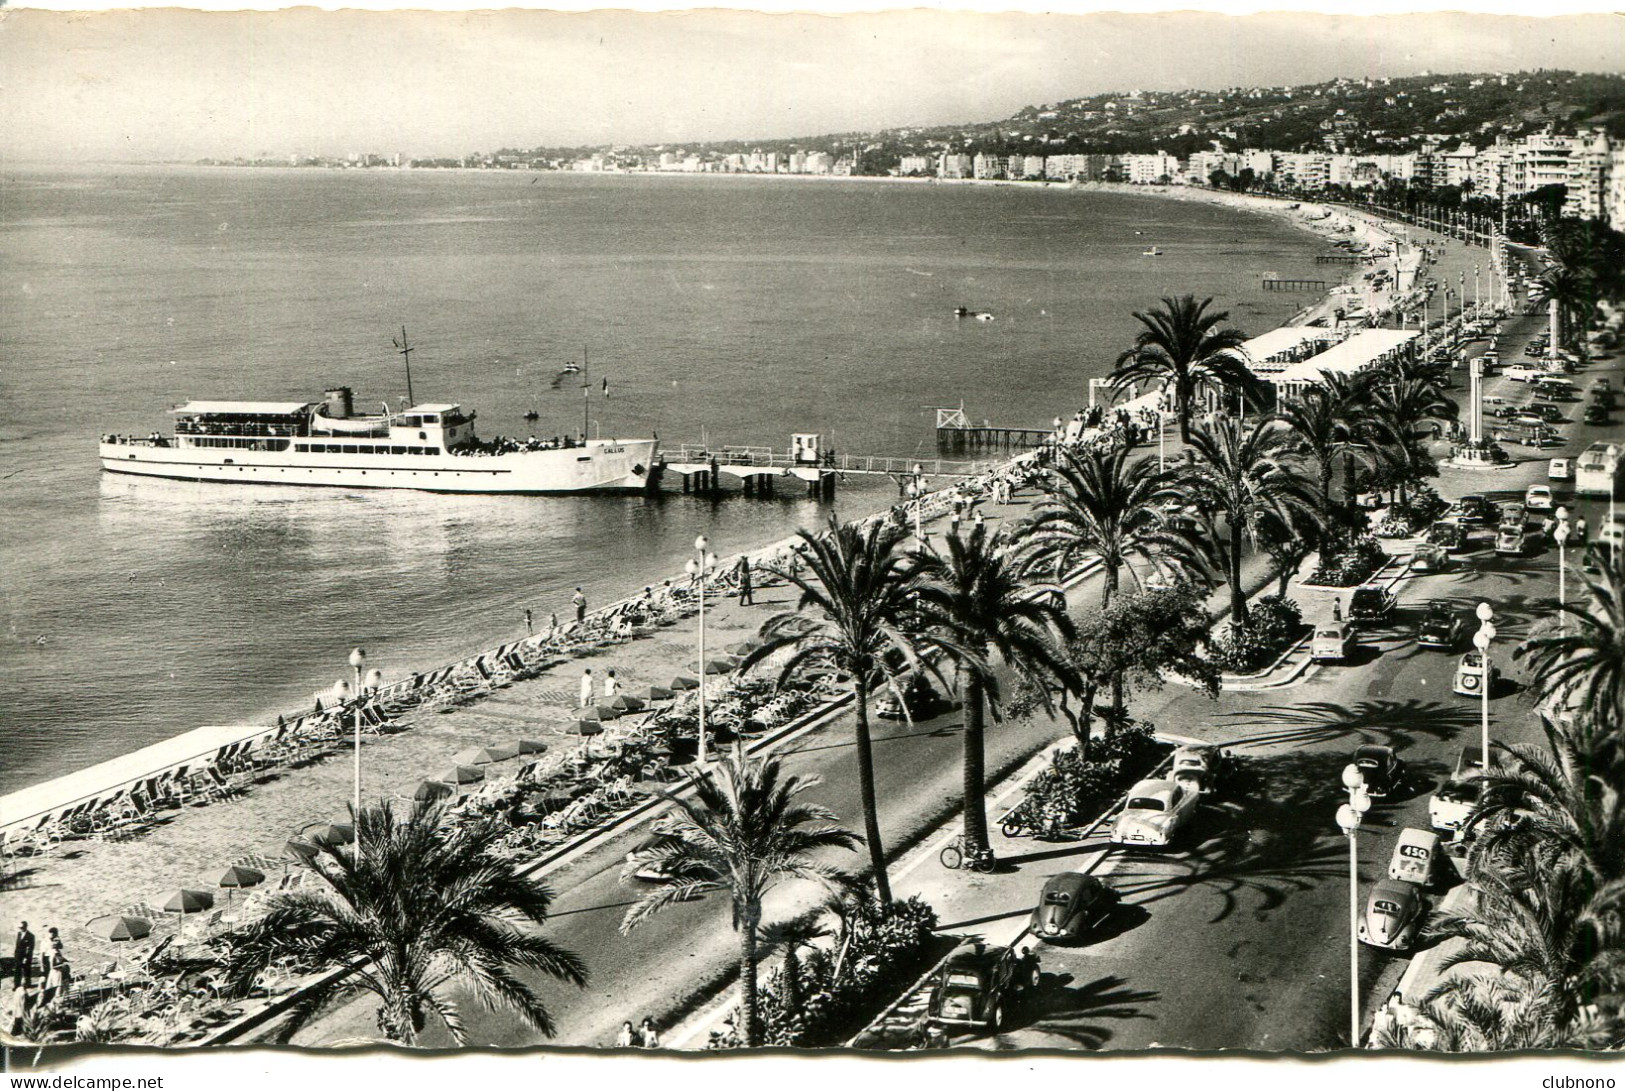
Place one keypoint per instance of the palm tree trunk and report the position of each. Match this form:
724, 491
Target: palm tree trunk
1238, 597
748, 1031
1086, 718
866, 786
1108, 582
975, 807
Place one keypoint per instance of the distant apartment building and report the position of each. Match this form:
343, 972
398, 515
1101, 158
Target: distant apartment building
1541, 160
954, 165
1456, 167
1082, 168
1616, 188
1145, 170
820, 163
1026, 166
987, 166
1590, 163
914, 164
1201, 165
1259, 161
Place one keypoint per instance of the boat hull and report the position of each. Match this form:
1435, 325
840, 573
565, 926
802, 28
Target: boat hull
600, 467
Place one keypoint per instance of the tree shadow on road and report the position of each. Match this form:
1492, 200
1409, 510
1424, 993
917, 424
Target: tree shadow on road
1395, 723
1081, 1014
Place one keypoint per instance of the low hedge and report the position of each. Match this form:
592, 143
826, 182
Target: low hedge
1074, 788
1274, 623
1350, 563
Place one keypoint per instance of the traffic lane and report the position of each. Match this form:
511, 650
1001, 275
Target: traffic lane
662, 964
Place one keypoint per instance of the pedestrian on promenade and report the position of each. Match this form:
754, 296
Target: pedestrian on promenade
650, 1036
1580, 531
580, 603
627, 1038
22, 958
586, 687
611, 685
980, 520
58, 974
530, 628
744, 583
552, 624
1337, 609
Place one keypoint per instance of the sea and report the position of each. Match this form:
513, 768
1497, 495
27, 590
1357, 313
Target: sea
728, 310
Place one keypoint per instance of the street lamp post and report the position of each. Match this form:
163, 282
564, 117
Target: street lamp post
1478, 306
1481, 641
364, 687
1348, 820
699, 566
1560, 534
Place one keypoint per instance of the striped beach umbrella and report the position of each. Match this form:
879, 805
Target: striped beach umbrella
240, 876
189, 901
625, 702
430, 790
657, 693
302, 851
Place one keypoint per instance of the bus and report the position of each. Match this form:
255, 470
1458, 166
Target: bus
1596, 471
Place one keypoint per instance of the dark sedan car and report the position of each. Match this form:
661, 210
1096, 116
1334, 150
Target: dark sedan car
1373, 602
1596, 414
979, 984
1450, 535
1441, 626
1071, 905
924, 701
1380, 768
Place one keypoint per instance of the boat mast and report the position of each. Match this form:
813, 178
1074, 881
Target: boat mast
406, 352
586, 395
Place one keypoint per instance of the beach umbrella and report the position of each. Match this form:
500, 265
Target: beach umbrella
627, 703
328, 833
303, 851
240, 876
683, 682
119, 928
189, 901
744, 647
484, 755
586, 727
529, 746
430, 790
607, 712
462, 774
720, 666
657, 693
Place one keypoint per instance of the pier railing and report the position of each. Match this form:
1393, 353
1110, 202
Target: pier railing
768, 458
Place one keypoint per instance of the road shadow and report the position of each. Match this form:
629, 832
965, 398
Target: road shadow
1083, 1014
1395, 723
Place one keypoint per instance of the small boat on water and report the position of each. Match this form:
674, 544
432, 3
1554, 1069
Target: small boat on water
966, 312
1154, 252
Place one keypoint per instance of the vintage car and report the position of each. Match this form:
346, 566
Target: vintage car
980, 984
1513, 514
1538, 498
1393, 915
1469, 680
1451, 535
1474, 508
1380, 768
1596, 414
1427, 557
1332, 642
1372, 602
1417, 858
1559, 469
1200, 766
922, 698
1509, 540
1156, 811
1441, 625
1455, 799
1071, 905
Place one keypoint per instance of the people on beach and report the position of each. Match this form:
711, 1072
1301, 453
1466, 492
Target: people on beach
628, 1037
580, 603
649, 1036
22, 958
744, 582
586, 687
611, 685
530, 628
58, 975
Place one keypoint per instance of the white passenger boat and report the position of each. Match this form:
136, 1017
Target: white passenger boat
428, 447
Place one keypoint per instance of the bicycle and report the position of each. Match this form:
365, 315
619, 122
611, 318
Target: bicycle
960, 853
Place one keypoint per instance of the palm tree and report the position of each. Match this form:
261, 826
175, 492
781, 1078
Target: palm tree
1568, 292
1326, 421
743, 834
1240, 472
1585, 664
978, 604
1099, 504
1183, 347
859, 590
420, 905
1402, 412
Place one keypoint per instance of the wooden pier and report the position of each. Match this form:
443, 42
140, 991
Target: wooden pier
762, 471
1283, 284
1341, 259
956, 433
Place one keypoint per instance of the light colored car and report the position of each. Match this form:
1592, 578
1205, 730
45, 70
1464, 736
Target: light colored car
1199, 767
1559, 469
1455, 799
1538, 498
1416, 858
1513, 514
1155, 813
1333, 642
1525, 373
1469, 680
1428, 557
1611, 536
1394, 910
1509, 541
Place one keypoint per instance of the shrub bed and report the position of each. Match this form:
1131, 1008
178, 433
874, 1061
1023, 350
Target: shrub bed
1074, 788
1412, 515
1274, 623
1350, 563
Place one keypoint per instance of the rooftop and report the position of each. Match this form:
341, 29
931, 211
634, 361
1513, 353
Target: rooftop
241, 409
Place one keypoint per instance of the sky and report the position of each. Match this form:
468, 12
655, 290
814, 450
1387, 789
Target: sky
185, 84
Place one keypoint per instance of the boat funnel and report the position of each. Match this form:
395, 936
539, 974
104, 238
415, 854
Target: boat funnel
340, 404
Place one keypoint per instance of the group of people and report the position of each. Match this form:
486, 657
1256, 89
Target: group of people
506, 445
640, 1037
52, 965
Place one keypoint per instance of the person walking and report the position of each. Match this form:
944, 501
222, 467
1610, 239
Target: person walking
650, 1037
1337, 609
58, 975
1580, 531
611, 685
745, 598
580, 603
22, 958
530, 627
586, 687
628, 1037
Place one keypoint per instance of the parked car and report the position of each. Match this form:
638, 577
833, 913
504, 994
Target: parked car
1393, 915
980, 983
924, 701
1611, 536
1556, 389
1200, 765
1601, 383
1427, 557
1448, 534
1513, 514
1596, 414
1525, 373
1371, 602
1454, 800
1380, 768
1071, 905
1156, 812
1441, 625
1417, 858
1538, 498
1333, 642
1474, 508
1559, 469
1509, 541
1469, 678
